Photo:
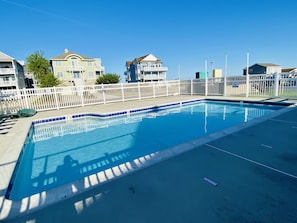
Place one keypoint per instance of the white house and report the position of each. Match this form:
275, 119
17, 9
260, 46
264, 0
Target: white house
11, 73
263, 68
144, 69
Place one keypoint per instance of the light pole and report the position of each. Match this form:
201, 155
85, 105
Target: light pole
211, 66
225, 76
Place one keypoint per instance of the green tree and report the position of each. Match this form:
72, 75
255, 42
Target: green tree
41, 69
108, 79
49, 80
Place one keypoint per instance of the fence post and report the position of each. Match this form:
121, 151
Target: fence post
122, 89
26, 98
167, 86
247, 85
206, 85
56, 98
103, 93
139, 94
247, 82
225, 86
82, 95
276, 84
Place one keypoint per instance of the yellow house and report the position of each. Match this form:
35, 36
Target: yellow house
217, 73
75, 69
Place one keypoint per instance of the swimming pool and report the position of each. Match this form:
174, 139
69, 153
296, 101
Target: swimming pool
68, 150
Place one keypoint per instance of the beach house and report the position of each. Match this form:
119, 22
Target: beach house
75, 69
263, 68
11, 73
144, 69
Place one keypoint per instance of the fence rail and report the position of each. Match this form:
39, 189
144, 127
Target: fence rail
40, 99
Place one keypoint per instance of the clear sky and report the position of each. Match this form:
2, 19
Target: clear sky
183, 34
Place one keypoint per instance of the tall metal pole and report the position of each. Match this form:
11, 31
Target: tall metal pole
206, 79
247, 75
225, 76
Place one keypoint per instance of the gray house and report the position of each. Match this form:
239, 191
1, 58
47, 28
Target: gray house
144, 69
263, 68
11, 73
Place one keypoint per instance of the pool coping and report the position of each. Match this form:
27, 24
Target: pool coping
11, 209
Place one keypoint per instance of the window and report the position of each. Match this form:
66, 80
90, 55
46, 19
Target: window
59, 74
90, 63
91, 74
74, 62
58, 63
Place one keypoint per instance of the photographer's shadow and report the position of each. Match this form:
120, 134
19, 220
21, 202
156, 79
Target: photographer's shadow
69, 171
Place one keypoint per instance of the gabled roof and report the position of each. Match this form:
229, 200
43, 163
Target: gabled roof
149, 57
68, 54
139, 59
4, 56
264, 65
285, 70
267, 64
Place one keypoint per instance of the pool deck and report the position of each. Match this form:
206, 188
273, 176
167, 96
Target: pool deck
14, 132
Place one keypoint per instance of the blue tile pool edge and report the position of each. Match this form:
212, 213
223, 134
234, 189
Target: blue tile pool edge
11, 209
152, 108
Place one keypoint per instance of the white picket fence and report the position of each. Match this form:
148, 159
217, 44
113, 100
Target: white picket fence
40, 99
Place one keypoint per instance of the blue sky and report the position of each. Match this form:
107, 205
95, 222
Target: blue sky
183, 34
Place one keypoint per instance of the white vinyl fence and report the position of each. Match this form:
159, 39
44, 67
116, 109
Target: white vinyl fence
42, 99
278, 85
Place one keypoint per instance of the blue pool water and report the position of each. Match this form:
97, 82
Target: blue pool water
61, 152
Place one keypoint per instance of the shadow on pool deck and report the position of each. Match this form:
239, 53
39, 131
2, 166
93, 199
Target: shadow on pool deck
6, 124
255, 170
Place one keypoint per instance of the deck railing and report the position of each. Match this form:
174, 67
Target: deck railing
40, 99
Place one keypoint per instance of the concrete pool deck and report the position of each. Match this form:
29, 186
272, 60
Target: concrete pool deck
93, 205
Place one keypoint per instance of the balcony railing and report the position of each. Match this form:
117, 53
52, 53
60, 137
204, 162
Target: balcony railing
155, 69
99, 68
7, 71
149, 77
8, 83
73, 69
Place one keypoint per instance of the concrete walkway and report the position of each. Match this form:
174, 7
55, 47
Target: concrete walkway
176, 199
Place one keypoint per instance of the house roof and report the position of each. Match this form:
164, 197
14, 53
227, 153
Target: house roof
264, 65
139, 59
67, 54
267, 64
4, 56
288, 69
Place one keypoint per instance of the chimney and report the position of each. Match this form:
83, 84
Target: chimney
66, 50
